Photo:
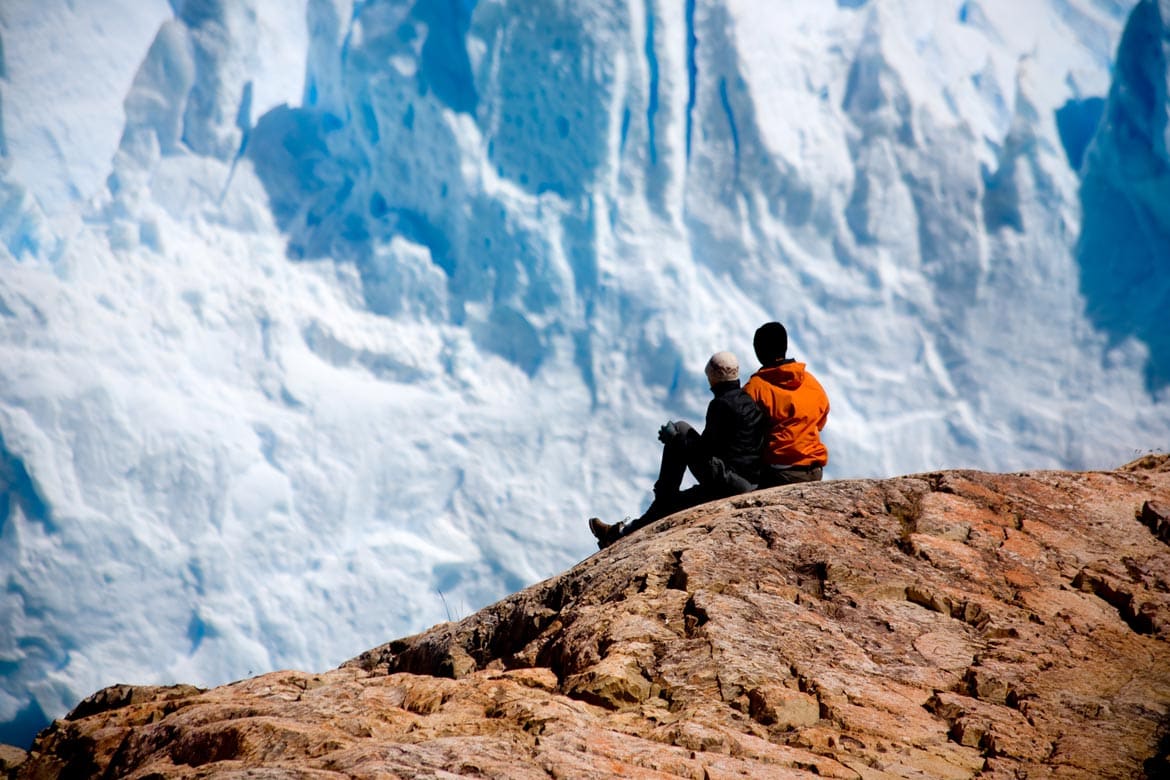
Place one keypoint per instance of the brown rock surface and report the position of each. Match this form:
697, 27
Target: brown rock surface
945, 625
11, 757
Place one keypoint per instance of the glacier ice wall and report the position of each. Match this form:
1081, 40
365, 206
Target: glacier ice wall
1124, 248
323, 321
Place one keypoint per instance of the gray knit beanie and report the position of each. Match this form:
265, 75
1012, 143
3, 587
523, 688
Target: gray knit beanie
722, 367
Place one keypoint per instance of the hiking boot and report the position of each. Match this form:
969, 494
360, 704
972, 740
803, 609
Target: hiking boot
605, 533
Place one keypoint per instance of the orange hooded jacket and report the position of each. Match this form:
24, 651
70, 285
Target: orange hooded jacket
798, 409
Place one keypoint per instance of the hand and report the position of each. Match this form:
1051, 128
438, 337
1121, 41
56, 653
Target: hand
667, 433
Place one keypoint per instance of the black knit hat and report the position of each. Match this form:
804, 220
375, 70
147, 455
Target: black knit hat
771, 343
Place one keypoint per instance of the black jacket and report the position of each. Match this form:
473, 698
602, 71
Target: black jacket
735, 429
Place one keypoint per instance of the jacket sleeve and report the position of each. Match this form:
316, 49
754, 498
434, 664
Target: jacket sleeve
824, 399
718, 428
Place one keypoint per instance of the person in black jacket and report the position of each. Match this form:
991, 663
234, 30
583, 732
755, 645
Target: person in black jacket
724, 458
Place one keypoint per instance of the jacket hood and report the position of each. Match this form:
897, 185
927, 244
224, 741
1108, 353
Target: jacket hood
788, 375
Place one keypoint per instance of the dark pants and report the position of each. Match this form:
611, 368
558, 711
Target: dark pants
715, 479
771, 476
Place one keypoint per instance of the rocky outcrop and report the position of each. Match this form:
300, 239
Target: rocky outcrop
946, 625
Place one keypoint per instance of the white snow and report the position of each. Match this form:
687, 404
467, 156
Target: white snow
68, 67
323, 322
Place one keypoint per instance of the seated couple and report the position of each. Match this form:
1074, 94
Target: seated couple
764, 434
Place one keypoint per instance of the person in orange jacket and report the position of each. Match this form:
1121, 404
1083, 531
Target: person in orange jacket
797, 408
